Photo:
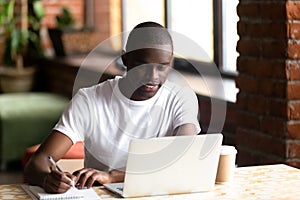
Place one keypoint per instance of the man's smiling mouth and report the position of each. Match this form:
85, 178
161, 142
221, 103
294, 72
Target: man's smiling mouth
150, 87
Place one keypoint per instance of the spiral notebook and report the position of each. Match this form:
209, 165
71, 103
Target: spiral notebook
36, 192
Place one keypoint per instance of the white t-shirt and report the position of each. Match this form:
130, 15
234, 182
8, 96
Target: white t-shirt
106, 120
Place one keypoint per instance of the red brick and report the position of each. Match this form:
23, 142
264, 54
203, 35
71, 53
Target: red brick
274, 29
266, 87
293, 110
247, 83
241, 103
243, 28
266, 106
259, 102
246, 157
262, 9
276, 108
293, 149
259, 142
274, 126
293, 10
249, 47
293, 50
248, 120
51, 11
273, 10
263, 48
231, 115
267, 29
293, 90
205, 112
293, 70
294, 163
274, 48
230, 124
274, 88
48, 23
265, 68
293, 129
294, 30
247, 9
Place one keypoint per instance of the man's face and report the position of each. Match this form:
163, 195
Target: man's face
147, 70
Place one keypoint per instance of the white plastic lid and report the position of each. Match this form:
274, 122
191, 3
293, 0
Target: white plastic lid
226, 150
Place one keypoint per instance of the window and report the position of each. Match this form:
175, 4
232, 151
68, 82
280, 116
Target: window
210, 23
136, 11
229, 35
194, 20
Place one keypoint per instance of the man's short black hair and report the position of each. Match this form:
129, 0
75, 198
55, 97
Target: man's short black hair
148, 35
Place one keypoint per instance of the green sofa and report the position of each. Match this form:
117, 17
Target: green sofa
25, 120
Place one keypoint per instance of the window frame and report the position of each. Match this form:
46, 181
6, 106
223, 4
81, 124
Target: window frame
217, 39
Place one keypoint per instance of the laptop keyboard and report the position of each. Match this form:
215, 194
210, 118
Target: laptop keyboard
120, 188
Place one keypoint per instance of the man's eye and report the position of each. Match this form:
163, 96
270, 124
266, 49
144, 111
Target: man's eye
162, 67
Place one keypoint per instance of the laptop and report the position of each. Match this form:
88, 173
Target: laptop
170, 165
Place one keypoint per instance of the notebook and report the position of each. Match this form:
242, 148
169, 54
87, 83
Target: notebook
36, 192
170, 165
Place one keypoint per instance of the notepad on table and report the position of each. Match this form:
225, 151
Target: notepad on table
37, 192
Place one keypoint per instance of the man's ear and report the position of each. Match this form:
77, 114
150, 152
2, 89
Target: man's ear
124, 57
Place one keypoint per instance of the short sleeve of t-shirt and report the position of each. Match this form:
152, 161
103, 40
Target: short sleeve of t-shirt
186, 110
74, 119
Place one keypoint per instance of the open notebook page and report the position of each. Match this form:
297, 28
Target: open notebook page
37, 192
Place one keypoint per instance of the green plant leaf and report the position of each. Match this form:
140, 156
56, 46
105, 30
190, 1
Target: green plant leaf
15, 40
65, 19
19, 40
10, 9
38, 9
6, 11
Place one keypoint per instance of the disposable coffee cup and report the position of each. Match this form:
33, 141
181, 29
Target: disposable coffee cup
226, 165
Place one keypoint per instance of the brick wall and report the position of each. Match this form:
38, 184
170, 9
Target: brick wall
293, 82
268, 106
53, 8
106, 23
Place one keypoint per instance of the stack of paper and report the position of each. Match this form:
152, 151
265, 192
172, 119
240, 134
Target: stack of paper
37, 192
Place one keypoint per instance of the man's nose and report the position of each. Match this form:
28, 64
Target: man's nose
152, 73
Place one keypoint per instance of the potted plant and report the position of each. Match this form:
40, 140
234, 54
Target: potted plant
64, 22
21, 32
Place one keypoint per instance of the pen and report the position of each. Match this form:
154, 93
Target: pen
55, 165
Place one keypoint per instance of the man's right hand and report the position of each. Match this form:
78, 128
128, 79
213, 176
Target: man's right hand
58, 182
